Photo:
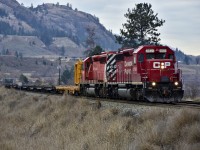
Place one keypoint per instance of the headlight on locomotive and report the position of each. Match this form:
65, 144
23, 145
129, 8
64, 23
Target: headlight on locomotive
162, 65
176, 83
153, 83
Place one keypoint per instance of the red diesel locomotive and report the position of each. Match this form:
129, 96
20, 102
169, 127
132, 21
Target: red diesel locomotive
147, 73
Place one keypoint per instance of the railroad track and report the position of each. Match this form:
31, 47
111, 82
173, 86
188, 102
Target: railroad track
186, 104
192, 104
183, 104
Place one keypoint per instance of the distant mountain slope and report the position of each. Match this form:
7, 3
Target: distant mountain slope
48, 22
186, 59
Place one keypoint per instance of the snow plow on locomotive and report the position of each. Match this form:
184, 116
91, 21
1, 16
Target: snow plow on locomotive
148, 73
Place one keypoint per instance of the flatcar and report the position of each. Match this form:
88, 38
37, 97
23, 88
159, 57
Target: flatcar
147, 73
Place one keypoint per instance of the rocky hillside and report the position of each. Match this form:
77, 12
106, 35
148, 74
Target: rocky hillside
49, 29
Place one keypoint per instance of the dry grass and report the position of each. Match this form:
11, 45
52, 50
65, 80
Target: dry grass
45, 122
192, 90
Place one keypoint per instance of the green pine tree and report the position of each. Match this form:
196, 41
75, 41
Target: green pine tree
23, 79
141, 27
95, 51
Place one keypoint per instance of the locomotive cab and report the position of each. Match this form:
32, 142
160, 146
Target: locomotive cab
162, 81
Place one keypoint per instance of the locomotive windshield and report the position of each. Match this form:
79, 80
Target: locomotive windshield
155, 55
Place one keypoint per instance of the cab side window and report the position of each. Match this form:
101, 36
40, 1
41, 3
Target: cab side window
141, 58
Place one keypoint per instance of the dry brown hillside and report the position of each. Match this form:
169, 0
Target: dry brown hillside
49, 29
48, 122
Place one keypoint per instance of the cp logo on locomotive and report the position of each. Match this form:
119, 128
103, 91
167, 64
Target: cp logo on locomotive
158, 65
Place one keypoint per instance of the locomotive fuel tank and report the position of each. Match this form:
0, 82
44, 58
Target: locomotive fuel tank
91, 91
126, 93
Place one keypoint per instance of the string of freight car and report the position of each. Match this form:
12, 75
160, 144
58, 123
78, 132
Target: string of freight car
148, 73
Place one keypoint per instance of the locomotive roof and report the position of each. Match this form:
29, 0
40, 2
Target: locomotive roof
143, 48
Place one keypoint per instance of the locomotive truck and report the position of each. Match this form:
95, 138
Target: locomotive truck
147, 73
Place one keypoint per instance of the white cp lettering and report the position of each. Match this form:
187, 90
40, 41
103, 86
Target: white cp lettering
157, 65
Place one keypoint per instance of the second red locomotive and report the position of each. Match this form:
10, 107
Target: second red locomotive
147, 73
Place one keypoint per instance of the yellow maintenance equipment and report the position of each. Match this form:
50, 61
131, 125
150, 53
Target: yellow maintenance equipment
73, 89
78, 72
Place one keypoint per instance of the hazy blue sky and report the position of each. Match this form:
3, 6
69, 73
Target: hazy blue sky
181, 29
